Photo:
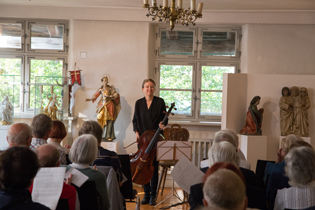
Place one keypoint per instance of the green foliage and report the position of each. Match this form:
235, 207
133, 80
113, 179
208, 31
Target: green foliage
182, 100
176, 77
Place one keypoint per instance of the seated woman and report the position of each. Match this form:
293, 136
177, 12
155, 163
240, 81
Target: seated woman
300, 169
284, 149
57, 134
83, 153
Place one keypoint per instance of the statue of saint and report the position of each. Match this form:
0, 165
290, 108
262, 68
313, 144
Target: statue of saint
51, 108
286, 112
108, 108
6, 109
253, 118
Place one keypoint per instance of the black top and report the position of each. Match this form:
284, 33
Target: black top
144, 118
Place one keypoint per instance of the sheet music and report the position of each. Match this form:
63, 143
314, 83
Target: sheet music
48, 185
78, 178
186, 174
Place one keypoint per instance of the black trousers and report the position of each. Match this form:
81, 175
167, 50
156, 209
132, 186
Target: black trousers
150, 188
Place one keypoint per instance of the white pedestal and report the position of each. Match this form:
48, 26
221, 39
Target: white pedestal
3, 136
306, 139
254, 148
112, 146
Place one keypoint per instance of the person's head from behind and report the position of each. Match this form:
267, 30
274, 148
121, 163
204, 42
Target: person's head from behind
41, 126
48, 156
19, 134
84, 149
92, 127
299, 144
223, 152
286, 142
224, 188
227, 135
58, 131
300, 166
18, 167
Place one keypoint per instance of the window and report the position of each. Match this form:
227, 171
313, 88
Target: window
29, 49
189, 69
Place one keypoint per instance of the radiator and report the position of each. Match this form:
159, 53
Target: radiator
199, 150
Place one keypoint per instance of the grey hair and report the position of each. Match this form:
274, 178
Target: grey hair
41, 124
226, 135
286, 142
300, 166
92, 127
84, 149
20, 137
224, 189
223, 152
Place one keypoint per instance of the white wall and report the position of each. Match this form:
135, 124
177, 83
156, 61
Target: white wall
278, 49
119, 49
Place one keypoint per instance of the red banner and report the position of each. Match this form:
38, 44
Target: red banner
75, 77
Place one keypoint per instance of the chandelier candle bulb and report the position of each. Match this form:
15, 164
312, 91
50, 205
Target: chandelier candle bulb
145, 1
153, 2
200, 5
165, 3
180, 4
193, 5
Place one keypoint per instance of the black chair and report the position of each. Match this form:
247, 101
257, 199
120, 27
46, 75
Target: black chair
126, 189
309, 208
260, 172
88, 196
63, 204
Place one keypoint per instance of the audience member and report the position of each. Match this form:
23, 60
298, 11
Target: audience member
18, 167
49, 156
57, 134
223, 152
231, 136
285, 144
300, 169
83, 153
104, 156
224, 189
19, 134
41, 126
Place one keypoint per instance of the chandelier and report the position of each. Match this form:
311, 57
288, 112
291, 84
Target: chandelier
174, 14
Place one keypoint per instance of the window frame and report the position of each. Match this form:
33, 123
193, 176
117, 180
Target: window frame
197, 62
25, 55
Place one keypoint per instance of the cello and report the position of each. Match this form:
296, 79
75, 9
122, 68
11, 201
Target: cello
141, 162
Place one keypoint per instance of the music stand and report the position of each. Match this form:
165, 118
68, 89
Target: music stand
172, 151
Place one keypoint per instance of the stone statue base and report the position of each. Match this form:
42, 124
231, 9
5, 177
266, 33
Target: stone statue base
111, 145
306, 139
254, 148
4, 122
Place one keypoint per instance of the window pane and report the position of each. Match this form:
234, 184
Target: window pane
43, 68
182, 100
211, 103
176, 77
177, 42
11, 35
218, 43
212, 76
48, 37
11, 85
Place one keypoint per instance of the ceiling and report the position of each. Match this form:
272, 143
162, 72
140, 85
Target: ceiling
285, 5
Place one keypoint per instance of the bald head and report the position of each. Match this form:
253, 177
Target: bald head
19, 134
48, 156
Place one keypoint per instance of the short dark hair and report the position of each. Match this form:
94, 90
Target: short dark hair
148, 80
58, 130
18, 166
92, 127
41, 124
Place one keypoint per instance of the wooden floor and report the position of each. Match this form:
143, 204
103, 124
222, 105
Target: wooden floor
171, 201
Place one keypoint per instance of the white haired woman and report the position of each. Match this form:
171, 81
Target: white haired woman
83, 153
300, 169
223, 152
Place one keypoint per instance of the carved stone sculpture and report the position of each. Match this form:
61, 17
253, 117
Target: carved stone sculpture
6, 110
286, 112
253, 118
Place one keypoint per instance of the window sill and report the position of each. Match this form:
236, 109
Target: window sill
198, 123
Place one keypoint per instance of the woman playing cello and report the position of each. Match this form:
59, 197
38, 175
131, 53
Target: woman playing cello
148, 115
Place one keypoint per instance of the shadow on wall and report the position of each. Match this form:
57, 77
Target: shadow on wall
122, 122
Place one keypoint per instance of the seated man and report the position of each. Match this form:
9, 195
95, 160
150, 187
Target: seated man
104, 157
224, 189
41, 126
19, 134
49, 156
18, 167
